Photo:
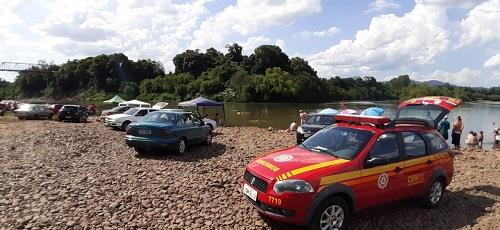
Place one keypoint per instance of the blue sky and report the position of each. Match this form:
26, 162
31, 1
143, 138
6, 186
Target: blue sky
457, 41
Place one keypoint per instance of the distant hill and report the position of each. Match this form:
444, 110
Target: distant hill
434, 83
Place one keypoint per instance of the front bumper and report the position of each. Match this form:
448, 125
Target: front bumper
112, 123
149, 142
285, 207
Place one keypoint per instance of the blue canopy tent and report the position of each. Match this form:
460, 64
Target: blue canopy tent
328, 111
204, 102
373, 111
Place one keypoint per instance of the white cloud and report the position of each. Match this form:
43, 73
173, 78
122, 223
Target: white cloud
247, 17
382, 5
450, 3
281, 44
464, 77
482, 24
389, 43
493, 61
322, 33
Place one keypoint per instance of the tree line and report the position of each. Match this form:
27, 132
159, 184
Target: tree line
266, 75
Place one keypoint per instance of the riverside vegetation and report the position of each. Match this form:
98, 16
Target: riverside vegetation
267, 75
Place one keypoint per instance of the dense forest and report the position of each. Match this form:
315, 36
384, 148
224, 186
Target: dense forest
267, 75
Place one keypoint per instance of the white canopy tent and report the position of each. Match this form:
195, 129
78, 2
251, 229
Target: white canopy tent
135, 103
115, 99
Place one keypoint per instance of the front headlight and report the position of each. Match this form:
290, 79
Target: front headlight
292, 186
299, 129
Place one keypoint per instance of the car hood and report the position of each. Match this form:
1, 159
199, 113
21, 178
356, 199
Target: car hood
118, 116
293, 162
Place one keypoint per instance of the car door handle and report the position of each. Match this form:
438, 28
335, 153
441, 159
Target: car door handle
397, 169
429, 162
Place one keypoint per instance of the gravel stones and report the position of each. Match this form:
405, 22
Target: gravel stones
82, 176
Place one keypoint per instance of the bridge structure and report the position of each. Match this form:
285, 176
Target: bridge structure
21, 66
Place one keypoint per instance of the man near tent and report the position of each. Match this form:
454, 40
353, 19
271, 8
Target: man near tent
443, 127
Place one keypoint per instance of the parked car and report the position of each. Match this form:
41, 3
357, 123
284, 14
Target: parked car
76, 113
122, 120
313, 124
33, 111
359, 162
167, 130
115, 110
2, 109
55, 108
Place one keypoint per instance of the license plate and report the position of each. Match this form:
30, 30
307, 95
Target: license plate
250, 192
145, 131
68, 116
307, 134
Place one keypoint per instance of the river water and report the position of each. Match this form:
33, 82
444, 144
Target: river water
477, 116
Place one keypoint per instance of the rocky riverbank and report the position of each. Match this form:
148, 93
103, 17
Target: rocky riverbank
83, 176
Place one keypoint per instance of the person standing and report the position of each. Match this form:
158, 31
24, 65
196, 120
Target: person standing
480, 138
458, 127
443, 127
303, 116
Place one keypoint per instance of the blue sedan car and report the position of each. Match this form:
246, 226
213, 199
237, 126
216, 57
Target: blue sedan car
170, 130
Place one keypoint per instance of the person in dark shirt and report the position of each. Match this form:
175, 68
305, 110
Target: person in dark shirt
443, 127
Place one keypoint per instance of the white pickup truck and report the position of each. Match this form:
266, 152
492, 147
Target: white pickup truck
122, 120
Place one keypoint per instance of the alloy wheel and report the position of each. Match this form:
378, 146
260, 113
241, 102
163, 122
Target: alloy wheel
436, 192
332, 218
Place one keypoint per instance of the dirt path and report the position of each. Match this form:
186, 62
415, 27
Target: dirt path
66, 175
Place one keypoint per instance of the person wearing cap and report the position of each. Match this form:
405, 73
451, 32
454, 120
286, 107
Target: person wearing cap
443, 127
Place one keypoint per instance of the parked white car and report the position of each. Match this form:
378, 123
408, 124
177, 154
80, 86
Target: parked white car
132, 115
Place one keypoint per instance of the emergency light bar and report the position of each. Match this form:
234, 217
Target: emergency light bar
375, 120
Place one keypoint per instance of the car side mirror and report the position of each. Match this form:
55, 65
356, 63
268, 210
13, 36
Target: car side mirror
375, 161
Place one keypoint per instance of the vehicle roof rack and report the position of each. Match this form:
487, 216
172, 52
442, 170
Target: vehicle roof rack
378, 121
410, 121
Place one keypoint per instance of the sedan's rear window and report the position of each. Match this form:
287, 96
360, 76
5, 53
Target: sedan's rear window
160, 117
69, 108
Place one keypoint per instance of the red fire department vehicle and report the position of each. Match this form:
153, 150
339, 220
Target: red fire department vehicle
358, 162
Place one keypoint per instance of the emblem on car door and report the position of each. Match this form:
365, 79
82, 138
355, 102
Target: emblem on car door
383, 180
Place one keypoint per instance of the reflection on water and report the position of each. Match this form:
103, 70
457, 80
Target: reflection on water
477, 116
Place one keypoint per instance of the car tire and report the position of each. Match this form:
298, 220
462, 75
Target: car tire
35, 117
140, 151
434, 194
125, 125
333, 211
181, 147
208, 138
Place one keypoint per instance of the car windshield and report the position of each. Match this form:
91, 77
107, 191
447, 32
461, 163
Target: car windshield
26, 107
320, 120
131, 111
160, 117
337, 141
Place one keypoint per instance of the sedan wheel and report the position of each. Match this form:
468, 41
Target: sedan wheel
208, 139
181, 147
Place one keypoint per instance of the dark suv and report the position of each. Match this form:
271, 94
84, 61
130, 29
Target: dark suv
76, 113
313, 124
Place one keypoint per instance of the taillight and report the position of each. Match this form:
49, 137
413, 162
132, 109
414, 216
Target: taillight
164, 132
76, 113
128, 131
